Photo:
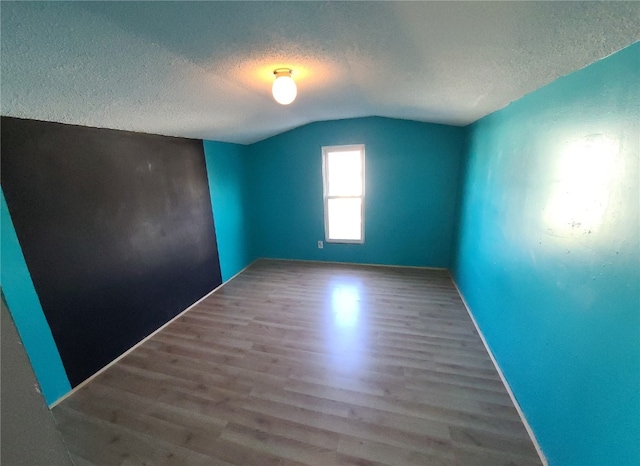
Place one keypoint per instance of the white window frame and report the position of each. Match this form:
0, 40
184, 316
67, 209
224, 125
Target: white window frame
325, 188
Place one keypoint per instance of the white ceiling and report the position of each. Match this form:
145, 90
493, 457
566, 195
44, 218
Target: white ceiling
204, 69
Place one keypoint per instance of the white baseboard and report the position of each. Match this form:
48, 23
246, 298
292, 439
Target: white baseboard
503, 378
313, 261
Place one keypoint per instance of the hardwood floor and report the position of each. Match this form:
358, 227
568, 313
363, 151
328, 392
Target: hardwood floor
305, 363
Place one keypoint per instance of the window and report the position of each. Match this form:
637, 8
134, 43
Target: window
343, 177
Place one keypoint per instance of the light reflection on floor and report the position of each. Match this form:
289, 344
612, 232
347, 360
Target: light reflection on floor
345, 304
345, 331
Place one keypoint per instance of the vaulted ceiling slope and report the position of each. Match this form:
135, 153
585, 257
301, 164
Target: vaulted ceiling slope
204, 69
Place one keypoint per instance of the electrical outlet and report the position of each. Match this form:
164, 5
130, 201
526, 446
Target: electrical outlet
320, 245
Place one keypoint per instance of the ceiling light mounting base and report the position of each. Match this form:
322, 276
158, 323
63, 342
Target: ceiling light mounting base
283, 72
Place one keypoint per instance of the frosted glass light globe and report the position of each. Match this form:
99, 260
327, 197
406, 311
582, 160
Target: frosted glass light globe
284, 88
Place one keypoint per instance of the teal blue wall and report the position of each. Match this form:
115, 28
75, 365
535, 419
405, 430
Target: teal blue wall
227, 172
27, 313
411, 186
549, 260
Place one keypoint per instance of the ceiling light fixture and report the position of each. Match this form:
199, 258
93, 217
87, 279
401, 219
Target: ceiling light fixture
284, 87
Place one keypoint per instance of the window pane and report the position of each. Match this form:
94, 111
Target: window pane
344, 172
345, 219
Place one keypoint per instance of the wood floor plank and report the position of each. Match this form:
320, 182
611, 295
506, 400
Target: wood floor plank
144, 406
401, 422
389, 454
457, 416
353, 427
279, 445
107, 443
305, 363
488, 441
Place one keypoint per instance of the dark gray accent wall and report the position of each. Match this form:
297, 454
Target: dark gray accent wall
116, 229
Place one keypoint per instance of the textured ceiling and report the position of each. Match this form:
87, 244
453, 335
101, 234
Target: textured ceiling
204, 69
